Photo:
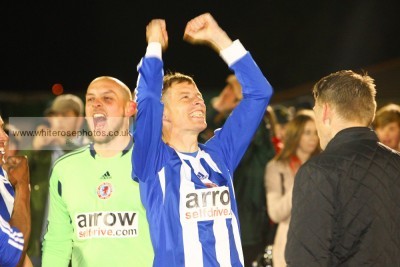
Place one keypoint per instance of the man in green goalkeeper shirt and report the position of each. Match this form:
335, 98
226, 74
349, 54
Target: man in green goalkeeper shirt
95, 210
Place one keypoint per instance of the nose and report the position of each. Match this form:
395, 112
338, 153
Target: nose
198, 101
96, 102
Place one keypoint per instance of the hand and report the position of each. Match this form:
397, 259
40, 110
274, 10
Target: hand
18, 170
205, 30
156, 31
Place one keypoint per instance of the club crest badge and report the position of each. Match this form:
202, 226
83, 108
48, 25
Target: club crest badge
104, 190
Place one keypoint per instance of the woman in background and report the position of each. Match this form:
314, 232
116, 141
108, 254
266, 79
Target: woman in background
387, 125
300, 143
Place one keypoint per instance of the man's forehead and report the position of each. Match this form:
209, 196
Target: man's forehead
108, 86
103, 88
182, 88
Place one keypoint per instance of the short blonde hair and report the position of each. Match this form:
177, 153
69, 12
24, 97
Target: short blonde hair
351, 94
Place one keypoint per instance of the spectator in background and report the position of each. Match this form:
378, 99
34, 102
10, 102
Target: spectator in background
65, 114
387, 125
249, 175
281, 116
300, 143
15, 225
346, 199
222, 106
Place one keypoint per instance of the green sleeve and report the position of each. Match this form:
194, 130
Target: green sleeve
57, 245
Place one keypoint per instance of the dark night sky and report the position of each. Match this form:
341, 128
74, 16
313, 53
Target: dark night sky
293, 42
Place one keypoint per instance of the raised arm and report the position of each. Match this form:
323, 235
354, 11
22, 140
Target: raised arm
148, 130
234, 137
18, 174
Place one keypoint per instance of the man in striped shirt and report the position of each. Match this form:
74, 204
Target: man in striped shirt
14, 235
187, 187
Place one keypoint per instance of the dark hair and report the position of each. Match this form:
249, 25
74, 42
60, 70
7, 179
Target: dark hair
351, 94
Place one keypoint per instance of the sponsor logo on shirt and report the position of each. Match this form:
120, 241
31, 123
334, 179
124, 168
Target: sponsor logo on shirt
206, 204
107, 224
104, 190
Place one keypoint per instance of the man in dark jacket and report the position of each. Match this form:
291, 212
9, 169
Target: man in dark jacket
346, 200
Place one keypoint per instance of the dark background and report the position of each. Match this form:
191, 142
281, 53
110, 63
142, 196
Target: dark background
293, 42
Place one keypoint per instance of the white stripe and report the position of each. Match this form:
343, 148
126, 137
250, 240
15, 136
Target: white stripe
5, 194
16, 238
210, 161
235, 226
15, 244
161, 177
191, 244
222, 242
236, 235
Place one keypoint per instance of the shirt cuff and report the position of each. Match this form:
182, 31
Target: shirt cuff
233, 53
154, 50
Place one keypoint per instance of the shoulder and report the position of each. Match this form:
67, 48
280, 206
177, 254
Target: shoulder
275, 164
77, 156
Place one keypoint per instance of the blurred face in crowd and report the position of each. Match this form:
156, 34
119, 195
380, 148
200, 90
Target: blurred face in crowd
65, 121
389, 135
309, 139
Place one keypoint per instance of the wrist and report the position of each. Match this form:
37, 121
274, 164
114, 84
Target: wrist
22, 187
221, 41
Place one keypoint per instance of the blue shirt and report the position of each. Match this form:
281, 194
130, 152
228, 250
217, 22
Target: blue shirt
11, 239
190, 199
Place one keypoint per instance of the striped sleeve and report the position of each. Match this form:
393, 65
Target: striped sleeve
11, 244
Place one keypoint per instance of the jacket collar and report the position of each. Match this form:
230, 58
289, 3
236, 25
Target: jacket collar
350, 135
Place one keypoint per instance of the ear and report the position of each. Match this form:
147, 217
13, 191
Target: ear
131, 108
326, 113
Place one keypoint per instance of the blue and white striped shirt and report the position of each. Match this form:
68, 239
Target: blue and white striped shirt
190, 200
11, 239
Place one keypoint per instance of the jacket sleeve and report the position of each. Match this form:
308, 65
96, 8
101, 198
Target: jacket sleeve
279, 203
57, 245
311, 227
237, 132
11, 244
148, 132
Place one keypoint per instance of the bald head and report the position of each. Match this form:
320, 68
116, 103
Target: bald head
112, 83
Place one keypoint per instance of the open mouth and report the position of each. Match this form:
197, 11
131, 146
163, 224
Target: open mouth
99, 120
197, 114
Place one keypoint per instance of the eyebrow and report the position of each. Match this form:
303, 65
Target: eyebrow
188, 92
102, 93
